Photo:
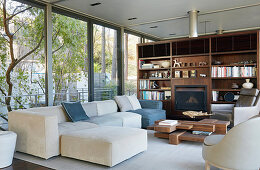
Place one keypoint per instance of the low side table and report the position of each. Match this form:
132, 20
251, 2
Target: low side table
182, 130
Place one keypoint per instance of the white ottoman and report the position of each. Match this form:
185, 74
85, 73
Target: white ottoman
104, 145
7, 147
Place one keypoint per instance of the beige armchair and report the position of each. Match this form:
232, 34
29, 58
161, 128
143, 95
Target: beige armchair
247, 106
238, 149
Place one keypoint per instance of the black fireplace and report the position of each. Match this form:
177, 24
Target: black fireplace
191, 98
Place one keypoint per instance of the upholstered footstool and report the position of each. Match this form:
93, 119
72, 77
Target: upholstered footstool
104, 145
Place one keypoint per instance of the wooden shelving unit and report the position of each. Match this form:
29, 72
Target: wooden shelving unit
231, 50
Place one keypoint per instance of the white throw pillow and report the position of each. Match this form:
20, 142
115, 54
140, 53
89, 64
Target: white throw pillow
134, 102
123, 103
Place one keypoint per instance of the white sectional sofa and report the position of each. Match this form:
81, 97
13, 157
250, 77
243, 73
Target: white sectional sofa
40, 130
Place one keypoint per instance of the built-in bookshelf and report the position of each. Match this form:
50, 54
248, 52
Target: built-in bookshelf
221, 63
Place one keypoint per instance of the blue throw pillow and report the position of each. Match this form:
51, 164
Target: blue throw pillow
74, 111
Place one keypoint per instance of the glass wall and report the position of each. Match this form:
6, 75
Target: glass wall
105, 63
70, 59
130, 60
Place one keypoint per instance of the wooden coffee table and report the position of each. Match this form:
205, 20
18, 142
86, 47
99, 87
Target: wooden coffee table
183, 130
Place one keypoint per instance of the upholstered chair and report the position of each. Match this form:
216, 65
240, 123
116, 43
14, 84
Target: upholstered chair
247, 106
238, 149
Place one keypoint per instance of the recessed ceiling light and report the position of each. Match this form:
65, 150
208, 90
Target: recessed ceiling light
132, 18
172, 34
154, 27
95, 4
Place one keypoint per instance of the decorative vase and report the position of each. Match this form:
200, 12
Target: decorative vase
248, 84
166, 64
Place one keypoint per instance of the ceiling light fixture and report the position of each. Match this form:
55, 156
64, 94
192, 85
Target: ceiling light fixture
132, 18
95, 4
154, 27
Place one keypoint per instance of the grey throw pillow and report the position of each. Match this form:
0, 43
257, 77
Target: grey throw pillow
74, 111
123, 103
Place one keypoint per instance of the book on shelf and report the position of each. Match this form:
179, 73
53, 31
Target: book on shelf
215, 96
145, 84
152, 95
233, 71
147, 66
168, 122
195, 132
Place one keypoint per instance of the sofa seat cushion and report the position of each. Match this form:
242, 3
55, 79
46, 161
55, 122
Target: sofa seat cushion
149, 116
224, 115
104, 145
66, 127
106, 120
129, 119
213, 140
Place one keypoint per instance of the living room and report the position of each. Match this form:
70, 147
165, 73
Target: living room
129, 84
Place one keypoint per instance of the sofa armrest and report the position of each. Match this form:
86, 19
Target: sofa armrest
242, 114
37, 133
151, 104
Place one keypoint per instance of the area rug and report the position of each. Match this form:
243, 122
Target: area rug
159, 156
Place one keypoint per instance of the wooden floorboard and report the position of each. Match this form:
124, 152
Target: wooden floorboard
23, 165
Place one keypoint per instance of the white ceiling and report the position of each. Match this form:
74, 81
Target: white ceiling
147, 11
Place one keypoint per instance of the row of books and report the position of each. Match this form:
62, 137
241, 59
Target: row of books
145, 84
233, 71
152, 95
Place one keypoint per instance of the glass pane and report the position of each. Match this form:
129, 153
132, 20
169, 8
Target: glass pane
21, 57
130, 63
70, 59
105, 63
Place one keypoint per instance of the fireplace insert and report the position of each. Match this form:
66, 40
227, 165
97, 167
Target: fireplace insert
193, 97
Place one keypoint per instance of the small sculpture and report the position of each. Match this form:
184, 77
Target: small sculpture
154, 85
203, 63
177, 64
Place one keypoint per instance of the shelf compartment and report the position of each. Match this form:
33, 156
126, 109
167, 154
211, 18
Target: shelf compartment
234, 52
155, 89
153, 69
160, 79
156, 58
216, 78
227, 90
190, 67
222, 102
232, 65
191, 55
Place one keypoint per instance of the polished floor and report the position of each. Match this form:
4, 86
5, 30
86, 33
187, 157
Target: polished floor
23, 165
